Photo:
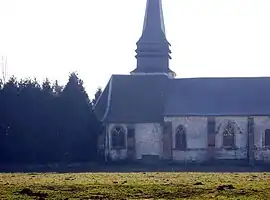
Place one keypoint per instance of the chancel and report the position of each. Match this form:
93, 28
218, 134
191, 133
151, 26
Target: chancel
150, 113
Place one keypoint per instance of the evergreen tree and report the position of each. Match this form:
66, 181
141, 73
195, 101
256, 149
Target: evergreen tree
2, 133
97, 95
78, 131
43, 123
57, 89
8, 107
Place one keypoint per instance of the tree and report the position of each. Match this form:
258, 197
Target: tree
43, 123
8, 107
97, 95
57, 89
46, 86
3, 69
79, 124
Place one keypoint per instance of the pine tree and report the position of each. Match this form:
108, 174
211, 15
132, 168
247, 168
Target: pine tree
97, 95
79, 124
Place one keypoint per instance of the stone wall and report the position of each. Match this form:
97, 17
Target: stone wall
197, 139
261, 152
196, 129
148, 141
149, 138
241, 138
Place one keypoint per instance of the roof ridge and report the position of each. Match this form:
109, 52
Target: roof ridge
197, 78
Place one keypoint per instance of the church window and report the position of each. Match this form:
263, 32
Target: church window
118, 137
180, 138
267, 137
228, 135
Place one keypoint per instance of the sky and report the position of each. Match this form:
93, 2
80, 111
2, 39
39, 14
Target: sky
97, 38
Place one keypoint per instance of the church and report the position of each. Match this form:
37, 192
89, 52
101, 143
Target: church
150, 114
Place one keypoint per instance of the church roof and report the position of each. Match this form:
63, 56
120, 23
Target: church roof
100, 108
133, 99
148, 98
139, 98
219, 96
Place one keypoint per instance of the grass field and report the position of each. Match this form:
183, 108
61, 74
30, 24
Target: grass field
135, 186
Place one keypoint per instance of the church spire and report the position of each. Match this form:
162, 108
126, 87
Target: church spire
153, 19
153, 52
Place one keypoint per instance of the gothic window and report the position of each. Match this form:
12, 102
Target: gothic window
114, 138
267, 137
118, 137
228, 135
180, 138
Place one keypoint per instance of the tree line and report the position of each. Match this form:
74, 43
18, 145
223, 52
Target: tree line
47, 122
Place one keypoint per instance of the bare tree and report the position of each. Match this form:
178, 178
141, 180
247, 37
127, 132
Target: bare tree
4, 68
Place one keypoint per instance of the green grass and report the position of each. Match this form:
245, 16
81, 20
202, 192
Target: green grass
136, 186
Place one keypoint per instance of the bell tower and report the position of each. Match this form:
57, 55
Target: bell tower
153, 49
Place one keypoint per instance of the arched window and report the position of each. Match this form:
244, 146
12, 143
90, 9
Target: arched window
180, 138
267, 137
228, 135
118, 137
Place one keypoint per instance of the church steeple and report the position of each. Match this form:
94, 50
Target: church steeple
153, 49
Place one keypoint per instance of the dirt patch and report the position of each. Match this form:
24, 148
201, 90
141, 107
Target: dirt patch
198, 183
26, 191
225, 187
29, 192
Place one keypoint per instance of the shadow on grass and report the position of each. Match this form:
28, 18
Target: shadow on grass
140, 191
115, 168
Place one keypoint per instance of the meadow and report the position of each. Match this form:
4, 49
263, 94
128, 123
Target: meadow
144, 185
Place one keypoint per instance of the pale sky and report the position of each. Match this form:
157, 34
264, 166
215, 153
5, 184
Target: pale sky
96, 38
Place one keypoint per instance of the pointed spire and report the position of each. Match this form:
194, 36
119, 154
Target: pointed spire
153, 53
154, 20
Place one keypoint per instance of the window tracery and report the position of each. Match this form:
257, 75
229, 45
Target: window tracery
180, 138
118, 137
228, 135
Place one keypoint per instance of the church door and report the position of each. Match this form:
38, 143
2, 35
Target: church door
167, 141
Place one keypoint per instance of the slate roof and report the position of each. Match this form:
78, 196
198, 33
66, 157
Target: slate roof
139, 98
219, 96
102, 102
134, 99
